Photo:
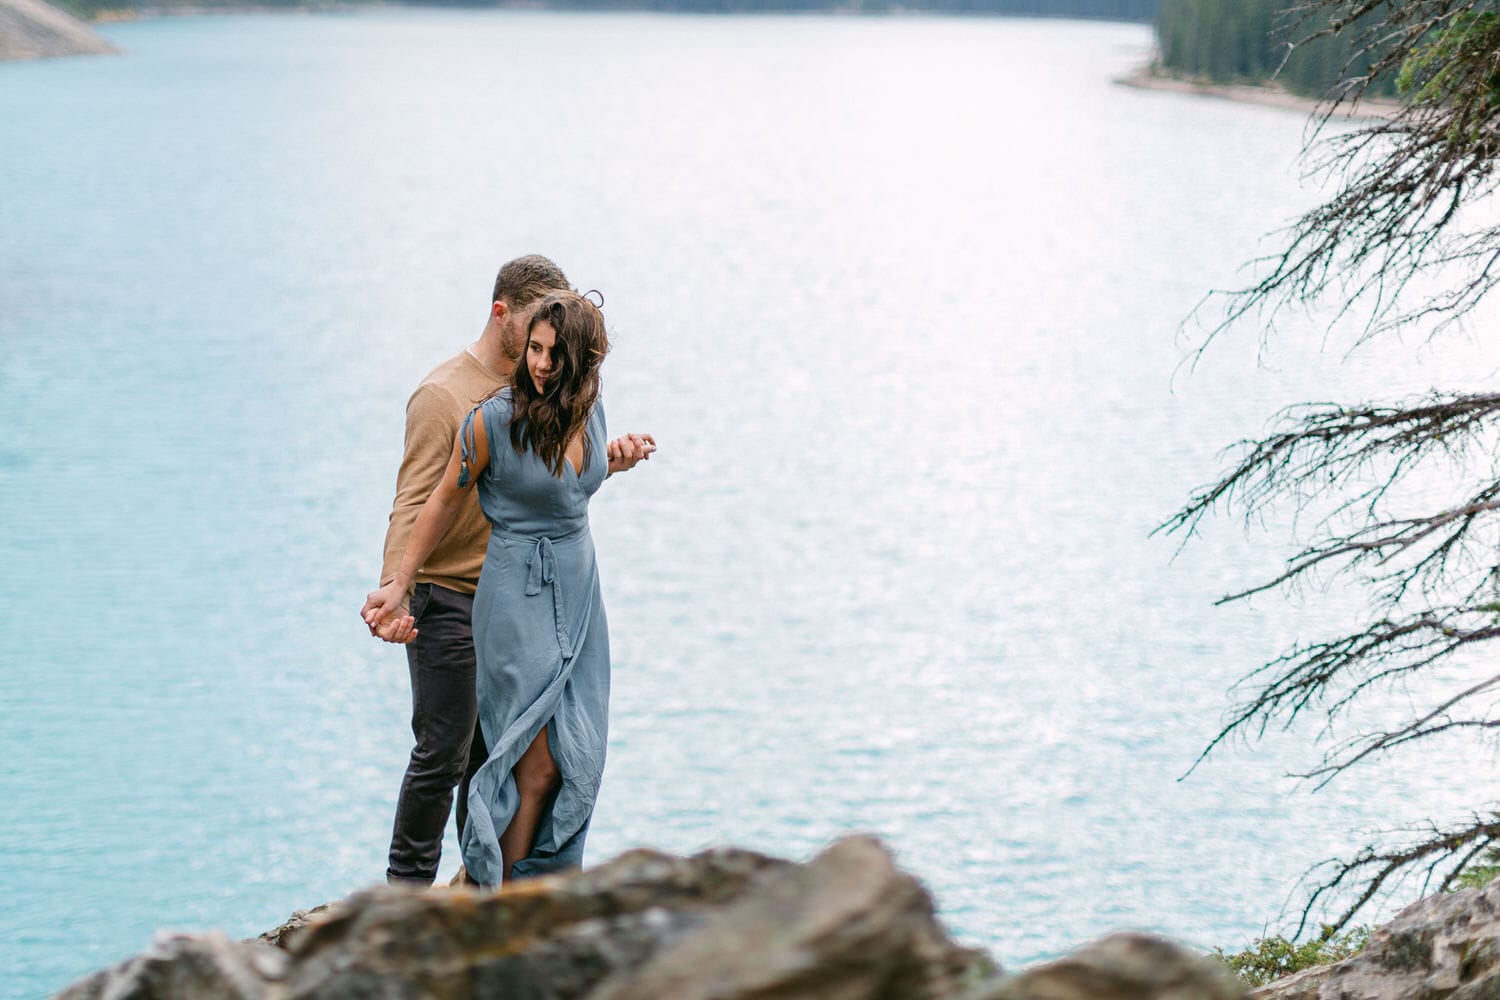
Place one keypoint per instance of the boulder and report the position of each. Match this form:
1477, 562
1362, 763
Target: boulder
279, 936
1121, 967
730, 924
725, 923
540, 939
1444, 947
1302, 985
847, 926
205, 966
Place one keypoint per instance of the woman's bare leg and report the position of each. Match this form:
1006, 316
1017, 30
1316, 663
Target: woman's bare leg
537, 778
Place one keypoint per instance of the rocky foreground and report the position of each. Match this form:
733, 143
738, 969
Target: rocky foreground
733, 925
32, 29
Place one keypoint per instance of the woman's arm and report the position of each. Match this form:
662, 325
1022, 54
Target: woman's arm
432, 523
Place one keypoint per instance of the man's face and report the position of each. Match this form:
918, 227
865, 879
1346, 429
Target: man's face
513, 332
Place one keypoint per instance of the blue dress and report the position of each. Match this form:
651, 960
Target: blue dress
542, 646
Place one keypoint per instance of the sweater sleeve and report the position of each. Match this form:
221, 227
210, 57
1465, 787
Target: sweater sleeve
430, 430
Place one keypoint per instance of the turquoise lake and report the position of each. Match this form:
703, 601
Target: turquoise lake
900, 299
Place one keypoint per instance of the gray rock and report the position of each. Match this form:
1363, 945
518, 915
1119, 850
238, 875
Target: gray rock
280, 935
537, 940
735, 925
725, 923
204, 966
1121, 967
33, 29
1444, 947
847, 926
1302, 985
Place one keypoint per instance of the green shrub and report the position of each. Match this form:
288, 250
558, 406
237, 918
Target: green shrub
1484, 870
1273, 957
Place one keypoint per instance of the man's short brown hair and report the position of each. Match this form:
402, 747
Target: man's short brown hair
526, 279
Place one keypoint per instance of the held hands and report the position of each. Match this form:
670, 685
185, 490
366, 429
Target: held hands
624, 452
386, 616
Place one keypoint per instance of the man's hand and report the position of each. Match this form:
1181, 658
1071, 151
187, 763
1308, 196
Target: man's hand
387, 617
624, 452
400, 628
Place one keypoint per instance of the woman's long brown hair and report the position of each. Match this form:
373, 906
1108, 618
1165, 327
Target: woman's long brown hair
546, 420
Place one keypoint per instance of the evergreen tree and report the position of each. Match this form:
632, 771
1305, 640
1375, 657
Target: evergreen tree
1412, 200
1250, 41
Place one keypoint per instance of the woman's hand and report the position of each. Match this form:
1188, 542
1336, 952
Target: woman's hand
386, 616
399, 628
624, 452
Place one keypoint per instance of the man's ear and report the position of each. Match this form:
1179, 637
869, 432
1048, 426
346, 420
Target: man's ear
498, 311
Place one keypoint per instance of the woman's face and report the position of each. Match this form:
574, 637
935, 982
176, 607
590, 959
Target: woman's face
539, 354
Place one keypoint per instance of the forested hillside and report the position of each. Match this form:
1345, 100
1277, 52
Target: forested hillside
1127, 10
1247, 40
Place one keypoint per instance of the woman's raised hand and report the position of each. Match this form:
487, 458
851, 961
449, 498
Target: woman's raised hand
385, 616
625, 451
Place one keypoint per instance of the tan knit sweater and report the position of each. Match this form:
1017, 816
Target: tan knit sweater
433, 416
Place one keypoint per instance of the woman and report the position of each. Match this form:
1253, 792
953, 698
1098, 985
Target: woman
537, 453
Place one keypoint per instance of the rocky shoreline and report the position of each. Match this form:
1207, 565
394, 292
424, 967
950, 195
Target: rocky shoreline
731, 924
33, 29
1152, 77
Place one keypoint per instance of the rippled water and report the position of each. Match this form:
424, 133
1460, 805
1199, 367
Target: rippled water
898, 297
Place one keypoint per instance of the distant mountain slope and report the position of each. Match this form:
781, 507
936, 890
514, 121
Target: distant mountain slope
31, 29
1122, 10
1126, 10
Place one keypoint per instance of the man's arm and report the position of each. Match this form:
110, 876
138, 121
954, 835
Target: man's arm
435, 517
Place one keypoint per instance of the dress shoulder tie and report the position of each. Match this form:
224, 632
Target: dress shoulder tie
466, 449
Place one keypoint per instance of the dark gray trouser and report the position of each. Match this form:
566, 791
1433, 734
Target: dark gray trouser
445, 722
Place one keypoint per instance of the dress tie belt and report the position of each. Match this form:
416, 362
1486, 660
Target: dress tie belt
541, 571
541, 566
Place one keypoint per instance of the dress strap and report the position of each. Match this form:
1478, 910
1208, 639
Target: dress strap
466, 449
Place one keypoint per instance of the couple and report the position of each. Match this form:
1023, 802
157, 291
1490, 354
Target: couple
509, 666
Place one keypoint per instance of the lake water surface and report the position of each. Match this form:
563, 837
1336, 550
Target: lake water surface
899, 299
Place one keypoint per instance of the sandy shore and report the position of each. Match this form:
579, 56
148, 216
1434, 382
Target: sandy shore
1268, 95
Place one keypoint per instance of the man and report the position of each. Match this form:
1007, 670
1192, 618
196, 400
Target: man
449, 747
